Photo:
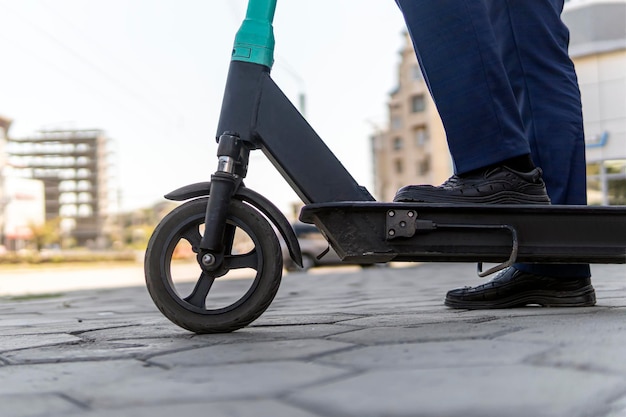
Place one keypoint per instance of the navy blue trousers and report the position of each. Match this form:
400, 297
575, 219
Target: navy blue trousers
504, 85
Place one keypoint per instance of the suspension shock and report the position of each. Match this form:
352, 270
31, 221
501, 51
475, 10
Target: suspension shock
231, 168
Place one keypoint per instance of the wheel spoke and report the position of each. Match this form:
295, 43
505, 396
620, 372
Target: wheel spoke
229, 237
247, 260
192, 236
201, 290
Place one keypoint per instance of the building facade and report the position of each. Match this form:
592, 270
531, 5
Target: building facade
598, 49
413, 148
23, 210
73, 166
5, 124
21, 201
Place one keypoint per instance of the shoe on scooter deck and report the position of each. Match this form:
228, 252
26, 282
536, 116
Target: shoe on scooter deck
365, 232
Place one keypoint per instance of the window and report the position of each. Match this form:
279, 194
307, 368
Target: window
423, 166
396, 123
399, 166
606, 182
85, 210
397, 144
416, 73
67, 198
421, 136
418, 103
84, 197
68, 210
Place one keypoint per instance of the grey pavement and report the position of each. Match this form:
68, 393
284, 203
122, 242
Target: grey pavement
348, 342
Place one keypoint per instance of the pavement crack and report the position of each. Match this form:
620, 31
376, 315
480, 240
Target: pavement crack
81, 332
73, 400
147, 363
543, 360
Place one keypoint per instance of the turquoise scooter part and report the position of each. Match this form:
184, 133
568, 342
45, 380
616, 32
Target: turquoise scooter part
254, 41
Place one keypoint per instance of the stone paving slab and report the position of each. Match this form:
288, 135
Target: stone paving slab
238, 408
251, 352
217, 383
348, 342
598, 326
618, 408
425, 333
434, 355
41, 404
466, 391
15, 342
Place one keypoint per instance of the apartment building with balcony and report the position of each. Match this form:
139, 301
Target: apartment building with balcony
73, 166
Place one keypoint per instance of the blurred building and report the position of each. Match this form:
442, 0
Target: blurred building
5, 124
72, 164
413, 149
23, 209
21, 201
598, 49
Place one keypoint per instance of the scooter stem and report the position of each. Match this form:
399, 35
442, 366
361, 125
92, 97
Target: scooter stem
254, 41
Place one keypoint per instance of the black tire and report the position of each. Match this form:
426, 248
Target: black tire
199, 311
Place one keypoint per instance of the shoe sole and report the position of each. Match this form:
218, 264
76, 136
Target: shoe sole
503, 197
585, 297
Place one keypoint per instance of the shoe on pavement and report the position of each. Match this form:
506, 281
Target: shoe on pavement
499, 185
515, 288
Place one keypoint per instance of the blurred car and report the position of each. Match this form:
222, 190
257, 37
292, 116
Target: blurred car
312, 244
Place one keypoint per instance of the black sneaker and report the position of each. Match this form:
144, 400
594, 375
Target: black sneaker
499, 185
515, 288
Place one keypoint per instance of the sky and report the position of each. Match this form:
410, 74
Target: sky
151, 74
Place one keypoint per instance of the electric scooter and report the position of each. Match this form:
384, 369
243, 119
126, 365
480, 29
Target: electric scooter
230, 228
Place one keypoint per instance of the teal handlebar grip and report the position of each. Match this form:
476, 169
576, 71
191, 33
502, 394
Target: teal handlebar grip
254, 41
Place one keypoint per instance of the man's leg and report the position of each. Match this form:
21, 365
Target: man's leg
460, 56
456, 42
533, 43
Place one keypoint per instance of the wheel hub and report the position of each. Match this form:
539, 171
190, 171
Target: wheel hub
210, 262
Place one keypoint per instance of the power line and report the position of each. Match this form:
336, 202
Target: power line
54, 65
94, 67
112, 57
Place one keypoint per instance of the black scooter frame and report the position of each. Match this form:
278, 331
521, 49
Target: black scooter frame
258, 112
257, 115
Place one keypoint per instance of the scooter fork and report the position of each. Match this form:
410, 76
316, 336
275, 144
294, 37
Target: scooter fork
231, 168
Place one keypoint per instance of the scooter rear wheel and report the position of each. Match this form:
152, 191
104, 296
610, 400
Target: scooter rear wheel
190, 296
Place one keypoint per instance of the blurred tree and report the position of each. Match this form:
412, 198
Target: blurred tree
46, 234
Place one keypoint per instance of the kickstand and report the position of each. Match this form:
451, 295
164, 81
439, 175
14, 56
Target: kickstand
509, 262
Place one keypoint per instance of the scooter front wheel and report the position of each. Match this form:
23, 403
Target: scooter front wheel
194, 298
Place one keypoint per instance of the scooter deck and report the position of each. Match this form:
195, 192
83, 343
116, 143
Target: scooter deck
365, 232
